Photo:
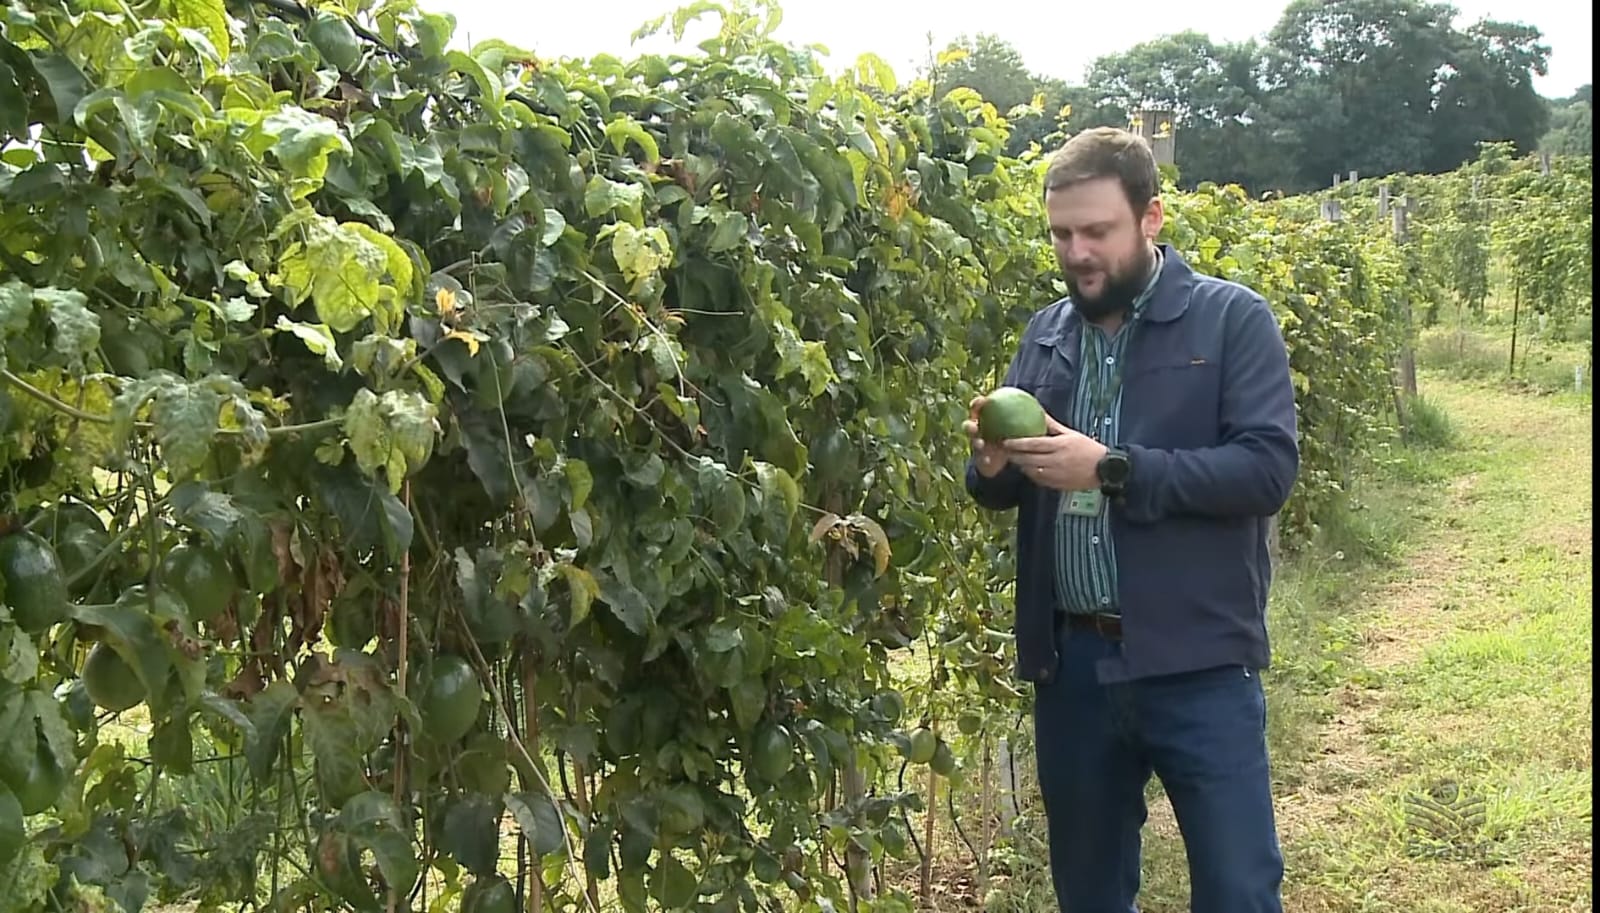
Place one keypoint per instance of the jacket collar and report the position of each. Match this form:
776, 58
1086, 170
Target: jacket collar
1169, 302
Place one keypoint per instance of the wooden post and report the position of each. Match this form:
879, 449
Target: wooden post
1354, 176
1408, 355
1477, 185
1336, 178
1544, 163
1008, 787
1331, 211
1155, 124
1383, 201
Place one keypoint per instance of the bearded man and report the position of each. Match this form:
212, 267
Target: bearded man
1142, 522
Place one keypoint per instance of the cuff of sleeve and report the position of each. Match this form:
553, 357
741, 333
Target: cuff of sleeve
1145, 492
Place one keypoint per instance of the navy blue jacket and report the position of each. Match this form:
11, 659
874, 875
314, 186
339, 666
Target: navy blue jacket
1208, 420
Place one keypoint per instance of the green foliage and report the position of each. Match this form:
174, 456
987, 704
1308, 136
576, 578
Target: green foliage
630, 389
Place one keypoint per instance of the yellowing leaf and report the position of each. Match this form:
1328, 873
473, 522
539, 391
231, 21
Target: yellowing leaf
209, 17
874, 71
393, 432
445, 300
584, 591
951, 55
1065, 112
468, 338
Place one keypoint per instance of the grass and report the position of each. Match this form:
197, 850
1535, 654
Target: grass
1430, 701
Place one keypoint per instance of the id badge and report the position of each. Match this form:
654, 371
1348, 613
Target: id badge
1082, 503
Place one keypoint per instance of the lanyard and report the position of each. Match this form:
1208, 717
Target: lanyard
1104, 392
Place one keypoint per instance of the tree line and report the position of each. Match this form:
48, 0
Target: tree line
1374, 86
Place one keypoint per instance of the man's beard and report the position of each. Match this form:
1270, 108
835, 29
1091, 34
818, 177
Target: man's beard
1120, 292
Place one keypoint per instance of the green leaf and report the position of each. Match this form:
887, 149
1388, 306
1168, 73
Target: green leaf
188, 416
673, 885
77, 329
540, 821
196, 505
777, 483
65, 83
627, 604
172, 744
19, 658
603, 196
16, 308
303, 142
730, 231
470, 832
270, 713
749, 698
489, 88
554, 224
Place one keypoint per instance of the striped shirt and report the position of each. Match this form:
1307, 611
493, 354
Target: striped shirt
1086, 562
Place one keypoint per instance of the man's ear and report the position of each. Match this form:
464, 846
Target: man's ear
1154, 217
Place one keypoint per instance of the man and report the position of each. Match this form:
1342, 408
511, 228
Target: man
1142, 565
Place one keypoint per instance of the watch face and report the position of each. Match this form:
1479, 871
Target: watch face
1114, 468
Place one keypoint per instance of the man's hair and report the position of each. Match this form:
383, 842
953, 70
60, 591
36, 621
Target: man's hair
1107, 152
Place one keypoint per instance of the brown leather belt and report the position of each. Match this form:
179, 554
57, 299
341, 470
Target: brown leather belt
1107, 626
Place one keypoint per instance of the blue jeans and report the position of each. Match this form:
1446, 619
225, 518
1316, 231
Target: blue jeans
1203, 734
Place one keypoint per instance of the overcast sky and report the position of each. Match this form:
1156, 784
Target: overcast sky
1059, 44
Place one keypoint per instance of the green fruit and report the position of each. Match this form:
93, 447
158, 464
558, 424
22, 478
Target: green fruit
483, 765
201, 577
110, 681
969, 723
834, 456
12, 835
335, 40
124, 354
35, 588
450, 699
773, 754
1008, 413
923, 745
490, 894
943, 761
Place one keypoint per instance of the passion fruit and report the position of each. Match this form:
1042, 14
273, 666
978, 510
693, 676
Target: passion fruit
110, 681
1010, 412
35, 586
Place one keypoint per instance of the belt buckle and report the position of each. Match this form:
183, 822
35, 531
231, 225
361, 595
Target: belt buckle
1107, 625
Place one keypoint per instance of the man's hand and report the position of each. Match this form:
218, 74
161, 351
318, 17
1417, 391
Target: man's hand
989, 458
1063, 459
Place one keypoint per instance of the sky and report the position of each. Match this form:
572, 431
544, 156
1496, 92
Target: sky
898, 32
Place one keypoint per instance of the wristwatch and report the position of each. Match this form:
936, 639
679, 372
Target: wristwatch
1113, 470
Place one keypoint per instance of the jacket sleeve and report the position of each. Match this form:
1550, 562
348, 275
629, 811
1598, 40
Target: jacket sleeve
1006, 489
1252, 471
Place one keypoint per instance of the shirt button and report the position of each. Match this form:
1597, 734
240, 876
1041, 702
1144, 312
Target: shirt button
1111, 360
1108, 423
1105, 600
1095, 540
